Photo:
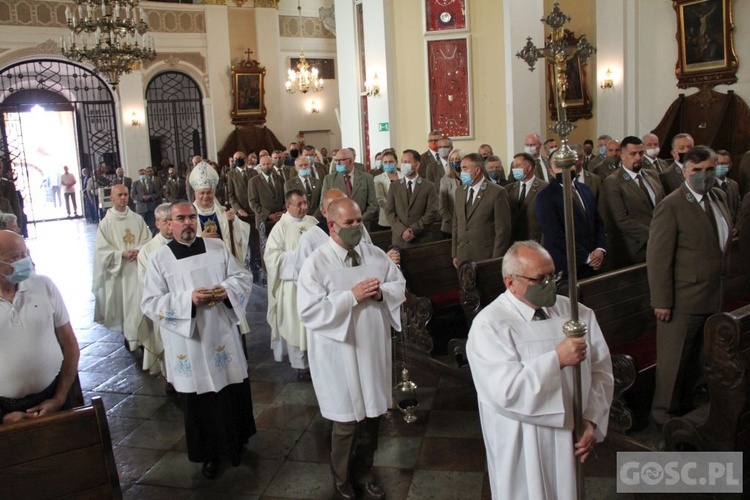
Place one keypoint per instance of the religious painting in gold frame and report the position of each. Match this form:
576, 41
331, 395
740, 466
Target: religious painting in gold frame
248, 92
577, 97
705, 52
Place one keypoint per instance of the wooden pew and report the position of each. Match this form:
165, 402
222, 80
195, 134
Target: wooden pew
66, 454
480, 283
381, 239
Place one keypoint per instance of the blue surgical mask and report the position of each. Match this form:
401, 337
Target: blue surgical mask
466, 178
602, 150
517, 173
341, 168
143, 178
722, 170
389, 167
407, 169
311, 159
304, 172
22, 269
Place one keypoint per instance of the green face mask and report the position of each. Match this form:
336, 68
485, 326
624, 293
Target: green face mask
350, 236
542, 295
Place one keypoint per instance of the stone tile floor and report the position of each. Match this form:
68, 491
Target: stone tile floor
441, 456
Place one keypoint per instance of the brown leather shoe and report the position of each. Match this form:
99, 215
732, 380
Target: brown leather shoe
344, 490
372, 491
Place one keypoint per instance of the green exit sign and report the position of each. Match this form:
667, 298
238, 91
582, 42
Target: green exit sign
383, 127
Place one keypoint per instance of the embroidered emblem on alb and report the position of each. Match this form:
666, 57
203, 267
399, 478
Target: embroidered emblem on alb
183, 365
242, 298
170, 317
222, 357
302, 229
209, 227
129, 238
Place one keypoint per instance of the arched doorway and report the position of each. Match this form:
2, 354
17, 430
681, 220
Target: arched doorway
175, 119
54, 113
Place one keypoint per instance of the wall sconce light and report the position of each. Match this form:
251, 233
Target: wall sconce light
608, 83
313, 107
134, 121
372, 87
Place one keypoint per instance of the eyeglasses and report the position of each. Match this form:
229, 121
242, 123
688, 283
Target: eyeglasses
544, 280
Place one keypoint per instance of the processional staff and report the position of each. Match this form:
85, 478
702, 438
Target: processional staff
558, 52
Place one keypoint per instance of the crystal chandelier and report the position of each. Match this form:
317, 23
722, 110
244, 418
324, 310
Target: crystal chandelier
109, 35
305, 78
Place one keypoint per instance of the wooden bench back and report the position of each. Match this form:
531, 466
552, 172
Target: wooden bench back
382, 239
66, 454
428, 268
480, 283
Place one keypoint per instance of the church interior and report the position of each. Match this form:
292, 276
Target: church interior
392, 71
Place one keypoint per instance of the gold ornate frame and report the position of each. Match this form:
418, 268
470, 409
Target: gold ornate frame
705, 47
248, 92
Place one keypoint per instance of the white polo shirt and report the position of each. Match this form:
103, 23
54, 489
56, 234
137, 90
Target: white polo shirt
30, 355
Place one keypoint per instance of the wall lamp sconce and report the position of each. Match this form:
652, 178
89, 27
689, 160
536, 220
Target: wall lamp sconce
372, 87
134, 121
313, 107
608, 83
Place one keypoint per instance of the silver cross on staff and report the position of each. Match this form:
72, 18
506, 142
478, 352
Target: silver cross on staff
558, 52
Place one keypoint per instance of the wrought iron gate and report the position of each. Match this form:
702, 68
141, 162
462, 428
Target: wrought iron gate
175, 118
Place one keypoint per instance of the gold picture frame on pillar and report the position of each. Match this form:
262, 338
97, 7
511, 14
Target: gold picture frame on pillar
705, 47
248, 92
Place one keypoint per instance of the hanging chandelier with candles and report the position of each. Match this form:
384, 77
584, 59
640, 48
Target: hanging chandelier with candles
304, 78
108, 34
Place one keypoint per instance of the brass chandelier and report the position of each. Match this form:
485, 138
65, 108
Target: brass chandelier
108, 34
305, 78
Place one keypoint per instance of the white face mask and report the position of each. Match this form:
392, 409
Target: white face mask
530, 150
407, 169
652, 152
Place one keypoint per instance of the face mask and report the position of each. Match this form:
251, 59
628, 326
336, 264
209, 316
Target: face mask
517, 173
294, 153
681, 158
530, 150
652, 152
407, 169
278, 162
304, 172
267, 170
494, 175
143, 178
602, 150
541, 295
378, 163
466, 178
350, 236
341, 168
389, 167
701, 182
552, 149
239, 162
722, 170
456, 165
444, 152
311, 159
22, 269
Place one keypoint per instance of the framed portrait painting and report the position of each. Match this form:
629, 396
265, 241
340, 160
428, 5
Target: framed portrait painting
705, 52
248, 93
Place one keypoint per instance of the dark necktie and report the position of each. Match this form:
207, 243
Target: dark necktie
353, 258
724, 186
308, 190
270, 181
408, 190
710, 214
643, 187
348, 184
522, 196
470, 199
539, 315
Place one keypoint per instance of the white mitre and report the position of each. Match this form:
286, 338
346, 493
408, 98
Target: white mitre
203, 176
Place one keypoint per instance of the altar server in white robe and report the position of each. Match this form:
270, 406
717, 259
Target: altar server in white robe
349, 298
196, 292
520, 361
214, 220
117, 292
148, 333
287, 333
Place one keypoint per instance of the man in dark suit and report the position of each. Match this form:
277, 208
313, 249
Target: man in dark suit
745, 174
611, 161
583, 176
522, 198
430, 159
729, 186
412, 204
174, 188
357, 185
120, 178
494, 169
266, 193
317, 170
601, 152
673, 177
687, 258
481, 216
147, 196
308, 184
532, 145
651, 158
436, 170
627, 204
238, 179
590, 235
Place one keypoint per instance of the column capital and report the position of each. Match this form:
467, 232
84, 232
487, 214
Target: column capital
267, 4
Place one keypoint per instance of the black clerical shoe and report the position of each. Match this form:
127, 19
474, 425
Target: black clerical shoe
210, 469
304, 375
344, 490
372, 491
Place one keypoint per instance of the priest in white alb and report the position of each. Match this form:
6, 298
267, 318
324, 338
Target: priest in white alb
214, 221
197, 292
349, 298
521, 363
148, 333
117, 292
287, 333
